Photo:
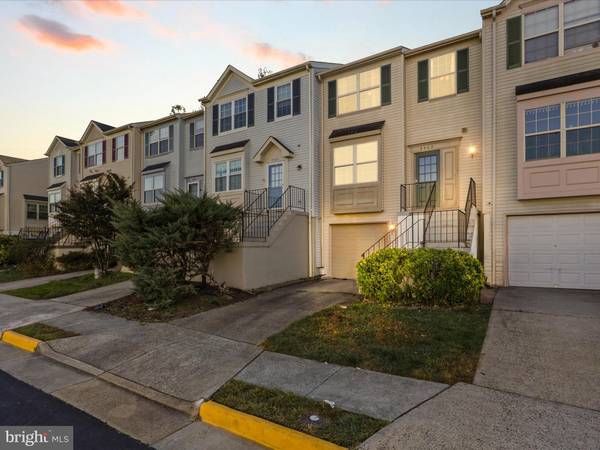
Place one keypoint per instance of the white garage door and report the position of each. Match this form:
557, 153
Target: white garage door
561, 250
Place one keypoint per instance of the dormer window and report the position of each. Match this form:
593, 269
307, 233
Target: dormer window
59, 165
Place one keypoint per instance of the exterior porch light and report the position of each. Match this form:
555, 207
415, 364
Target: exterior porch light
472, 150
391, 226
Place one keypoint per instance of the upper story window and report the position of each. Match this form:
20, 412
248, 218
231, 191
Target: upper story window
154, 187
160, 141
196, 134
53, 199
59, 165
37, 211
284, 100
233, 115
583, 126
541, 34
94, 154
1, 178
359, 91
575, 23
443, 75
355, 163
119, 148
542, 133
228, 175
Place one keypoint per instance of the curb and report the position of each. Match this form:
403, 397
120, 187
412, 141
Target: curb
21, 341
259, 430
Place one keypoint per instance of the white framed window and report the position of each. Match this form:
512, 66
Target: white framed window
37, 211
197, 134
542, 133
193, 186
541, 34
94, 154
442, 75
359, 91
159, 141
119, 151
228, 175
283, 100
582, 125
154, 187
581, 23
59, 165
53, 199
356, 163
233, 115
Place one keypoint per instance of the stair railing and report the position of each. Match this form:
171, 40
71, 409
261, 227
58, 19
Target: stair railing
406, 232
428, 211
471, 201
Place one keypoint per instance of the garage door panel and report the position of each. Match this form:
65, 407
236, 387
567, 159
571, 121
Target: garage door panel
561, 250
348, 242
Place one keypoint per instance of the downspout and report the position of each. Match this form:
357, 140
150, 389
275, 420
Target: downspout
310, 172
493, 218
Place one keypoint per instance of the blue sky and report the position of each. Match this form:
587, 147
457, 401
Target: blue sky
66, 62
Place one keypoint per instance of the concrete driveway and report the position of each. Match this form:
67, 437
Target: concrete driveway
544, 343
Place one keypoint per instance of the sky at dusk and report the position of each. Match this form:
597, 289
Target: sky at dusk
65, 62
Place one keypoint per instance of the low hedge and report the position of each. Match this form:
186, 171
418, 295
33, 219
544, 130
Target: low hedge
424, 276
74, 261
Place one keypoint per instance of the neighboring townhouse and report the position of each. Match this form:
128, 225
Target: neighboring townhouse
541, 131
95, 151
262, 153
401, 136
173, 156
64, 171
23, 200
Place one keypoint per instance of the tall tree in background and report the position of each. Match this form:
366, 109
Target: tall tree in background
87, 214
177, 109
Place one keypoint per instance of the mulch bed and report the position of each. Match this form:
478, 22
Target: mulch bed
132, 307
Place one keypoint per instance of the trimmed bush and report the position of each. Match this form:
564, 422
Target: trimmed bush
424, 276
74, 261
31, 256
6, 256
160, 286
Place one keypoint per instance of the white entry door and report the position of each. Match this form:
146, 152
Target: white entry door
559, 250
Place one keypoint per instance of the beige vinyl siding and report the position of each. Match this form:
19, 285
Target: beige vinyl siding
348, 242
457, 117
193, 159
392, 160
506, 203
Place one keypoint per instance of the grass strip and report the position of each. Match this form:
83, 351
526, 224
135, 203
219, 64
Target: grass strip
44, 332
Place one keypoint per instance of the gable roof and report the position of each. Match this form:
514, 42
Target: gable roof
68, 142
10, 159
102, 127
223, 78
272, 140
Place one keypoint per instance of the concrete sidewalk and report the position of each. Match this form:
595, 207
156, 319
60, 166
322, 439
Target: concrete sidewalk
36, 281
16, 312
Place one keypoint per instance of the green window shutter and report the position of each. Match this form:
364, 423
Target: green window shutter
462, 70
386, 84
513, 42
331, 98
423, 77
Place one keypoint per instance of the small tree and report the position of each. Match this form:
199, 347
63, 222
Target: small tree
263, 72
88, 215
176, 240
176, 109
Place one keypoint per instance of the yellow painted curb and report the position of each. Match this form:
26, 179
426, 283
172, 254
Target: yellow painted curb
21, 341
260, 430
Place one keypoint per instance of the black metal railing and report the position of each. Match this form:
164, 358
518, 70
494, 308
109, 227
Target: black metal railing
55, 234
259, 218
445, 226
471, 201
405, 234
414, 197
255, 199
428, 211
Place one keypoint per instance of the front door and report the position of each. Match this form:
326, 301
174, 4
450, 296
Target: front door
428, 170
275, 184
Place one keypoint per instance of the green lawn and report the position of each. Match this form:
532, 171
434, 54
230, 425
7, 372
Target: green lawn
431, 344
44, 332
69, 286
336, 425
13, 274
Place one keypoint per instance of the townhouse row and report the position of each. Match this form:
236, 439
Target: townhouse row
487, 142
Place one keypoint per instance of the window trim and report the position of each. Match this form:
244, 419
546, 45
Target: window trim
55, 166
170, 144
193, 144
154, 196
117, 159
227, 175
38, 206
277, 116
101, 154
455, 73
52, 204
357, 92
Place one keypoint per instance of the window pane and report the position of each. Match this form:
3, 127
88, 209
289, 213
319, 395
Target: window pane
366, 173
582, 35
159, 181
221, 169
226, 110
235, 166
541, 22
284, 92
542, 146
164, 146
240, 105
546, 118
583, 141
199, 140
578, 11
370, 78
193, 189
541, 47
148, 196
226, 123
445, 85
235, 182
31, 211
347, 104
342, 156
346, 85
443, 65
220, 184
284, 108
370, 98
343, 175
164, 133
366, 152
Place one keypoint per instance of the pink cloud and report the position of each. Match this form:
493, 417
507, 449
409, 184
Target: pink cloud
114, 8
50, 32
265, 51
